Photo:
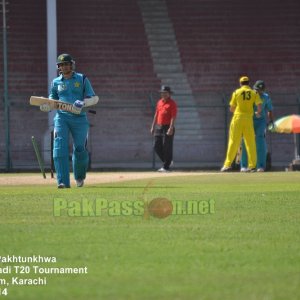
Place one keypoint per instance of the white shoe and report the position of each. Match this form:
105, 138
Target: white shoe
225, 169
244, 170
61, 186
80, 182
163, 170
260, 170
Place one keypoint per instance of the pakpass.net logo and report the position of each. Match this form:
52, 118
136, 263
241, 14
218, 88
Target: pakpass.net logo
159, 207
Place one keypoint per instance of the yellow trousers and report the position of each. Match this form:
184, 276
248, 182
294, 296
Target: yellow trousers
241, 126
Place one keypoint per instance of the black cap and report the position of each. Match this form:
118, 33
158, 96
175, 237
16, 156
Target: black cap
165, 89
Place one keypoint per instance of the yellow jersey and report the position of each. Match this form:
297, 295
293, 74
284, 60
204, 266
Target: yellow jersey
243, 99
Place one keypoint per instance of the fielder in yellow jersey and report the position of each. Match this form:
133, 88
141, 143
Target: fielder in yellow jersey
241, 105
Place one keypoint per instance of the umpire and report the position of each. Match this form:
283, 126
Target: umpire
163, 128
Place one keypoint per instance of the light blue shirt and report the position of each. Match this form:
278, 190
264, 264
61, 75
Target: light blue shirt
69, 90
265, 107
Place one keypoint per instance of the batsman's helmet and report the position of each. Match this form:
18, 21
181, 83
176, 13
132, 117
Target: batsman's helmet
259, 85
65, 58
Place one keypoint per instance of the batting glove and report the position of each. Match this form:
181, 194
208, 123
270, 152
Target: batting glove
45, 107
77, 106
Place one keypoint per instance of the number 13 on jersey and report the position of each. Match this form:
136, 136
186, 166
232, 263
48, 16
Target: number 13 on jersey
246, 95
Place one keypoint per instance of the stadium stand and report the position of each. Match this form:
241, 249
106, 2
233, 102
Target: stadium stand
113, 51
216, 42
220, 41
27, 75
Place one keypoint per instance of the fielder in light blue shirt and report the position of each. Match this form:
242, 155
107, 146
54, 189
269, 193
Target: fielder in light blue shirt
260, 125
74, 88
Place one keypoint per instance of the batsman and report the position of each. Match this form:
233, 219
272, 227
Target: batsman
74, 88
260, 126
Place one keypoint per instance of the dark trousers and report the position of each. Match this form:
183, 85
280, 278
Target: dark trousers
163, 144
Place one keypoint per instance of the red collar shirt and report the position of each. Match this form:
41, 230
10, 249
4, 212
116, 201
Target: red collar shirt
166, 110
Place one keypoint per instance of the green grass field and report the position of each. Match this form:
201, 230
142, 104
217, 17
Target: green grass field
247, 248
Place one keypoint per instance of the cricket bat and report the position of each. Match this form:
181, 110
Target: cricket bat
54, 104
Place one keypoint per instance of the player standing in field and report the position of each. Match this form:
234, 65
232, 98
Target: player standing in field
241, 105
260, 125
163, 128
74, 88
